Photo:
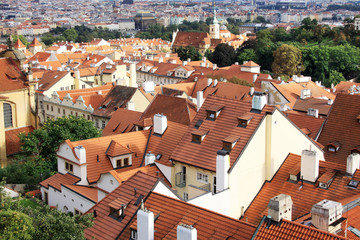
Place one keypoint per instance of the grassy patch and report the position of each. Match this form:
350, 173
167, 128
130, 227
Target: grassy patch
28, 203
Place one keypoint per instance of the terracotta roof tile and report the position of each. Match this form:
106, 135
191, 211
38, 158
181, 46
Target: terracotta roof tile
303, 105
195, 39
116, 149
89, 192
13, 143
121, 121
56, 180
11, 77
49, 78
342, 126
35, 43
18, 44
204, 155
304, 195
309, 125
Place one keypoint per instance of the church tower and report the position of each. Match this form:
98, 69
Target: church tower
215, 28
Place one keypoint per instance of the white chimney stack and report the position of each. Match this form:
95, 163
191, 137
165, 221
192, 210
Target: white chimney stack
313, 112
161, 59
160, 124
326, 212
252, 90
352, 163
149, 86
209, 81
132, 75
255, 77
309, 165
214, 66
305, 93
204, 59
330, 101
145, 224
149, 158
81, 153
259, 101
280, 207
199, 99
186, 232
189, 60
77, 73
222, 167
184, 63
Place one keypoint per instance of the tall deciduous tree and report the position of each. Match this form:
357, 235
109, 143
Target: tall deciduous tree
224, 55
334, 78
188, 52
22, 39
287, 60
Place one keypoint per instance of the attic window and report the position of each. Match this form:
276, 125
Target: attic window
244, 120
198, 124
133, 234
198, 135
334, 146
213, 112
158, 156
118, 212
229, 142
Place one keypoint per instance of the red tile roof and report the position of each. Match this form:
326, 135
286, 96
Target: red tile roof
309, 125
285, 229
305, 195
11, 77
302, 105
107, 227
49, 78
184, 39
121, 121
342, 126
13, 144
18, 44
35, 43
90, 193
209, 225
204, 155
56, 180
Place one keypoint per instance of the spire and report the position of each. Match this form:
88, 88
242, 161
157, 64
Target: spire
215, 21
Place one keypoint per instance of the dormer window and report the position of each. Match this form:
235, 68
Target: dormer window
333, 146
118, 212
69, 167
120, 156
244, 120
198, 135
358, 118
229, 143
213, 112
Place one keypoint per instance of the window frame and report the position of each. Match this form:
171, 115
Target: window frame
8, 115
69, 167
202, 177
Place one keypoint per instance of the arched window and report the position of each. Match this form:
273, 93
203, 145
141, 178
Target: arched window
8, 115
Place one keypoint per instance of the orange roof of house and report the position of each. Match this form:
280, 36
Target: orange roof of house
184, 39
49, 78
90, 193
302, 105
35, 43
11, 77
304, 195
269, 229
53, 64
18, 44
105, 227
13, 143
116, 149
312, 124
204, 155
250, 64
121, 121
344, 87
39, 56
316, 91
209, 225
97, 160
58, 179
342, 126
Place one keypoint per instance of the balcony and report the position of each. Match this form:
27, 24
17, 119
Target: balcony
180, 179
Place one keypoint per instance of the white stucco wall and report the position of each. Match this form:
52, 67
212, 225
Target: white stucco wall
164, 190
107, 182
166, 170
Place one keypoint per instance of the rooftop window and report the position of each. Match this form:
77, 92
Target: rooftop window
198, 135
213, 112
244, 120
229, 142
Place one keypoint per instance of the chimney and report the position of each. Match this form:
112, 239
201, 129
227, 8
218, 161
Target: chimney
81, 153
207, 65
236, 63
149, 158
149, 86
189, 60
313, 112
130, 105
352, 163
29, 76
305, 93
161, 59
214, 66
330, 101
184, 63
199, 99
209, 81
215, 82
99, 92
280, 207
309, 165
186, 232
132, 76
160, 124
145, 224
252, 90
204, 59
222, 167
325, 213
255, 77
259, 101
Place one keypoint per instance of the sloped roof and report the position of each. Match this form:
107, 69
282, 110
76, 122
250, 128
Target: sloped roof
13, 144
184, 39
342, 126
116, 149
303, 105
176, 109
209, 224
121, 121
204, 155
18, 44
56, 180
106, 227
35, 43
89, 192
290, 230
306, 122
304, 195
11, 78
49, 78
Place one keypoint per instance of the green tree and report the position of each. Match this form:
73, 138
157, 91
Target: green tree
287, 58
22, 39
48, 39
70, 34
15, 225
224, 55
247, 55
316, 62
45, 141
154, 30
334, 78
188, 52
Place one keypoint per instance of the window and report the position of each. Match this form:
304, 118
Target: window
69, 167
102, 124
8, 121
77, 212
201, 177
62, 89
126, 161
133, 234
72, 87
88, 117
97, 123
46, 197
227, 146
211, 115
64, 111
67, 88
118, 163
83, 86
196, 138
52, 108
58, 110
214, 184
186, 196
47, 107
